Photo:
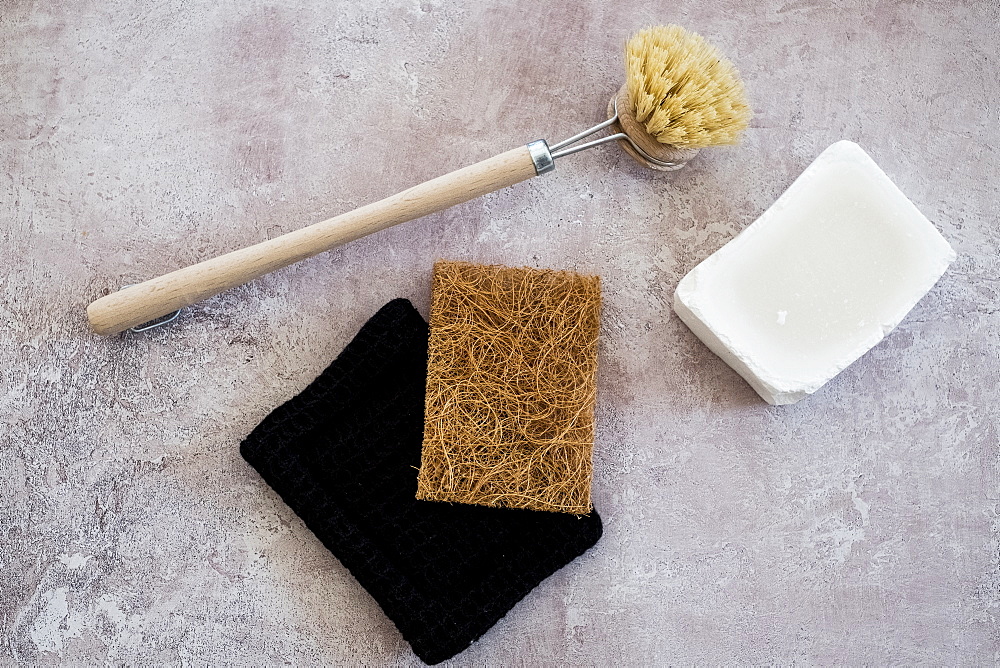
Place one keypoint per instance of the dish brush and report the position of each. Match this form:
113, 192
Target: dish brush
680, 95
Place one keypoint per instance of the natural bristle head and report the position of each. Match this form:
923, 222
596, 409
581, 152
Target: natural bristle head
683, 90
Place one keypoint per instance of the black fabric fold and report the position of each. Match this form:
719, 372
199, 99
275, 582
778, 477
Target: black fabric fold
344, 454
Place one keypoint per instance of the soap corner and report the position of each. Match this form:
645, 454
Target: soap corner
787, 398
845, 147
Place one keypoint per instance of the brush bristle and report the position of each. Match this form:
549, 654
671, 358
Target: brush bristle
683, 90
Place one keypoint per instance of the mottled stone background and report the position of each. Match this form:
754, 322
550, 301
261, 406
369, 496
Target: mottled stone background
859, 526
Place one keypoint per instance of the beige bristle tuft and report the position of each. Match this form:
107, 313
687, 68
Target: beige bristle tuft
683, 90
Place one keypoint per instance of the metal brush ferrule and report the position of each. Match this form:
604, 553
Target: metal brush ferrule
541, 156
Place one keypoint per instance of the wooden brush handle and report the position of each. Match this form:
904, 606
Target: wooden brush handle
154, 298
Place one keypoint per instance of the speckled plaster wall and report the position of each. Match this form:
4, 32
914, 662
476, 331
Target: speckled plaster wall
857, 527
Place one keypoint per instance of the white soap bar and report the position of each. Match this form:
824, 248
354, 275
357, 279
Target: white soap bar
821, 277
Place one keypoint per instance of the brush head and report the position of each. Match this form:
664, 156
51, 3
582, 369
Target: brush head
681, 91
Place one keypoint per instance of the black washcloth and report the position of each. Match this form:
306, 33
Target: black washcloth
344, 455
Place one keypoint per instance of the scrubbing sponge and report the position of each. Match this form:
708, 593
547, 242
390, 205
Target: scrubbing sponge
511, 386
343, 455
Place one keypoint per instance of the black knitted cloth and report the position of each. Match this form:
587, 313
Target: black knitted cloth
344, 455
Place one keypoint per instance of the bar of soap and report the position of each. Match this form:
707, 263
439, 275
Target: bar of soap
820, 278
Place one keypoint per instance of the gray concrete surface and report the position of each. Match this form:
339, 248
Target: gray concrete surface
857, 527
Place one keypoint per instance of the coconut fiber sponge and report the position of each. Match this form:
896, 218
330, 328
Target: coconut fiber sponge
343, 455
510, 387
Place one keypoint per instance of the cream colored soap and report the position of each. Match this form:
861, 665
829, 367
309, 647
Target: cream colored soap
820, 278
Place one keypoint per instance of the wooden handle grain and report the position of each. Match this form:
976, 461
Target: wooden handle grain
146, 301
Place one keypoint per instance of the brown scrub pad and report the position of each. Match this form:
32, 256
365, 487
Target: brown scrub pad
511, 381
